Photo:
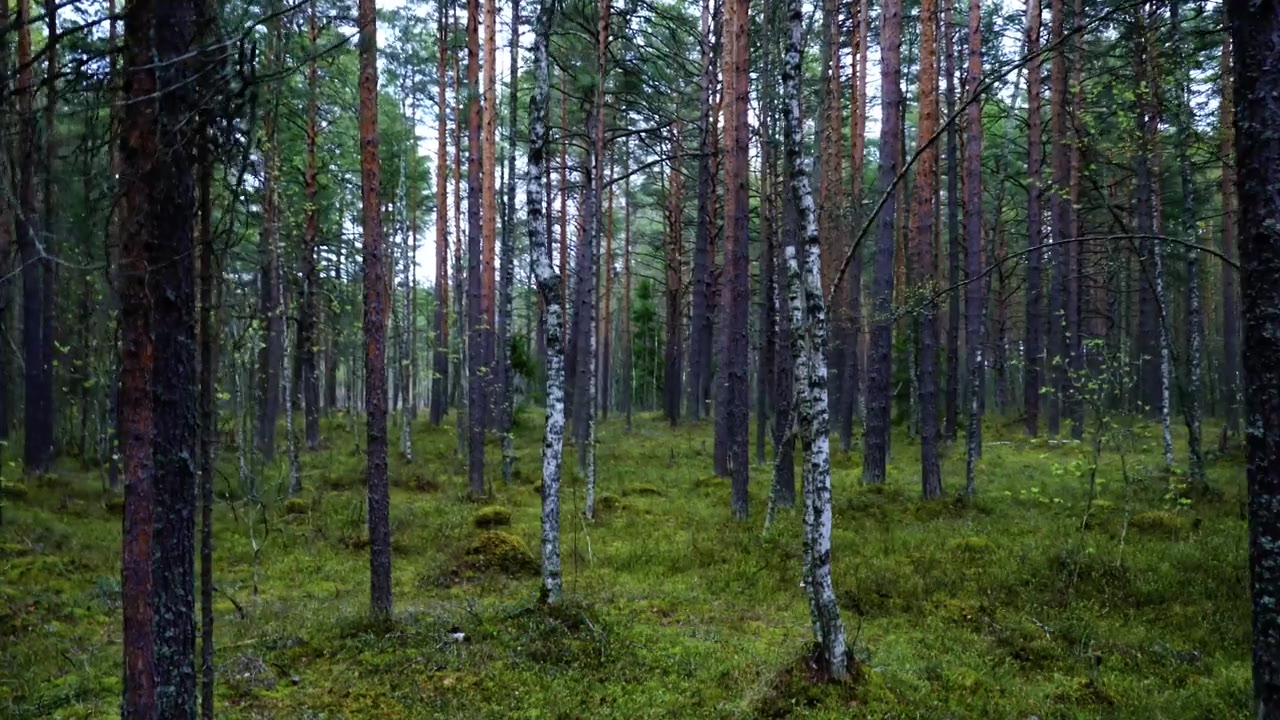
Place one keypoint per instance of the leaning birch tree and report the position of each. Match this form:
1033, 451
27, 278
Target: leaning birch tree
809, 315
549, 286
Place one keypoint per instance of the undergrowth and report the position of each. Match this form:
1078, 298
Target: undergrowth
1008, 605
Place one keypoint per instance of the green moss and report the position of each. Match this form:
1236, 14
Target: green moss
11, 550
491, 516
1159, 522
295, 506
13, 491
608, 502
499, 552
1080, 692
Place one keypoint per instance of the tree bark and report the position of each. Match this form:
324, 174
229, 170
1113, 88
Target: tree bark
954, 240
1255, 27
375, 320
1230, 369
549, 286
309, 315
1033, 343
811, 325
507, 279
476, 312
671, 385
922, 263
1060, 223
440, 357
880, 356
700, 282
737, 270
974, 302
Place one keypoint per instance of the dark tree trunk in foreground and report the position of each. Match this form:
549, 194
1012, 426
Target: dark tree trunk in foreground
880, 355
1033, 343
159, 395
1060, 223
1255, 33
507, 278
270, 298
375, 320
7, 219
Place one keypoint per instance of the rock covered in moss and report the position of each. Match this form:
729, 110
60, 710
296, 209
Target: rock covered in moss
500, 552
492, 516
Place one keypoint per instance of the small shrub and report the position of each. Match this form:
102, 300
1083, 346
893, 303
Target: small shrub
491, 516
296, 506
1159, 522
500, 552
12, 550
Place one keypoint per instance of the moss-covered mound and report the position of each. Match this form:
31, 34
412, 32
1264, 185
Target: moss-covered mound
491, 516
499, 552
13, 490
295, 506
1159, 522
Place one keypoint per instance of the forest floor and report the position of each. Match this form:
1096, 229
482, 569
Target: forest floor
994, 607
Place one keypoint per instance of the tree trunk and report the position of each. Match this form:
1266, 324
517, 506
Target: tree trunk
700, 282
1255, 28
476, 385
1060, 223
952, 400
549, 286
671, 385
270, 298
1185, 119
627, 349
737, 293
922, 262
375, 320
7, 223
880, 356
507, 279
974, 302
1230, 373
440, 357
489, 218
37, 423
1033, 343
811, 325
309, 315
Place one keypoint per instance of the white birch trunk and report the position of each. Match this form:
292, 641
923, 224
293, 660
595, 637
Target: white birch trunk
1165, 363
811, 374
549, 287
286, 378
406, 344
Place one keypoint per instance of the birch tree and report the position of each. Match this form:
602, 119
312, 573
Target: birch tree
809, 316
549, 287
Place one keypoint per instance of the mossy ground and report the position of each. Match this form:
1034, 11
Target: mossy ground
994, 607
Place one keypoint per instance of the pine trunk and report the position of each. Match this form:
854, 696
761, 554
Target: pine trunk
375, 320
880, 355
1033, 343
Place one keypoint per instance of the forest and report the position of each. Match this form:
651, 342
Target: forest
640, 359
